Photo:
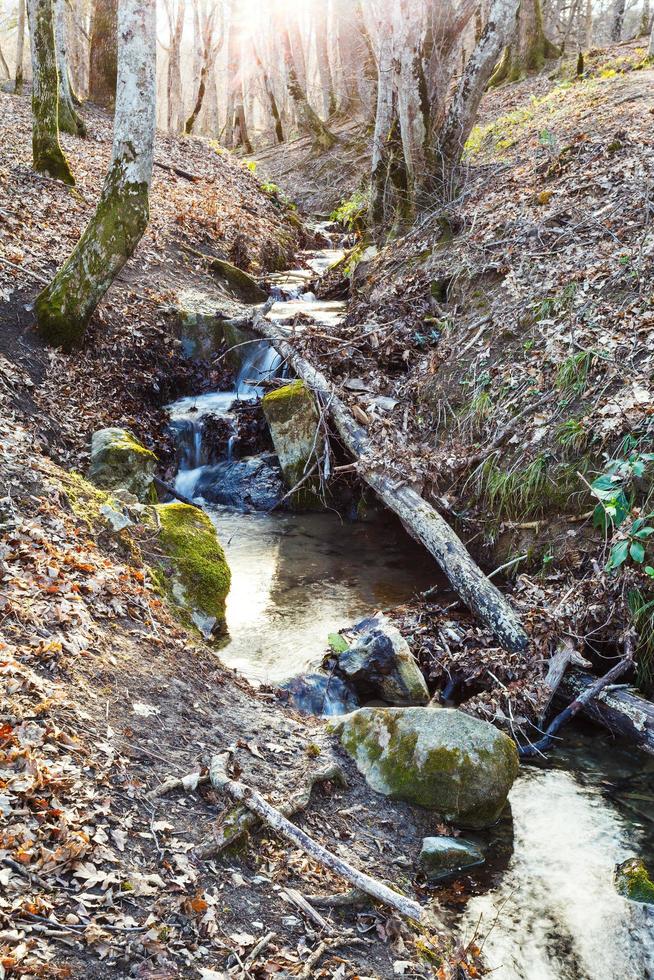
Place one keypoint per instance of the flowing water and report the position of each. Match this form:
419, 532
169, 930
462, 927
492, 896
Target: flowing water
544, 900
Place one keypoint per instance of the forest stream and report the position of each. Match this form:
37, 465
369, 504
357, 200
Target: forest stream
544, 902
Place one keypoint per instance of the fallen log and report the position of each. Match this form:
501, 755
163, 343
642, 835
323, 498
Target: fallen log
421, 520
585, 697
221, 781
559, 663
169, 488
623, 711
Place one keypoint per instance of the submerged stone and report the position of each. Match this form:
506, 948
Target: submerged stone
633, 882
252, 483
197, 576
294, 421
316, 693
439, 758
119, 461
441, 855
381, 665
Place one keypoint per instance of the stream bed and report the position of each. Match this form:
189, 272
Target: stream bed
543, 906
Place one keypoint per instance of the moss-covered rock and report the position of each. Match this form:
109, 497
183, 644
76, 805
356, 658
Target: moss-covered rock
239, 283
633, 882
381, 665
195, 571
294, 421
439, 758
119, 461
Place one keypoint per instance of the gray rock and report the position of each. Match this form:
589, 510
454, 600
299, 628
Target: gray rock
294, 421
252, 483
441, 855
319, 694
380, 664
439, 758
119, 461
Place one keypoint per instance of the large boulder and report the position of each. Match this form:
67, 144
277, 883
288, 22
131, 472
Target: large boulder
119, 461
239, 283
316, 693
633, 882
440, 856
380, 664
193, 569
294, 422
439, 758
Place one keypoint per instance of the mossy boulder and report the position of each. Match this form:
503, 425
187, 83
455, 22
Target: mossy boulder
239, 283
194, 570
380, 664
438, 758
294, 421
440, 856
633, 882
119, 461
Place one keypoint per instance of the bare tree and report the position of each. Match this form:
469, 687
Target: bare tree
308, 119
103, 56
209, 50
69, 119
47, 154
20, 45
617, 19
175, 16
65, 307
530, 48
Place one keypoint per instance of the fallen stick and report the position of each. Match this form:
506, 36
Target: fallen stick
241, 821
259, 948
187, 783
169, 488
623, 711
420, 519
586, 696
299, 901
222, 782
559, 663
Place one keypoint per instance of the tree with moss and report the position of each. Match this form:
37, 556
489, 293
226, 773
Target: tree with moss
65, 307
103, 58
69, 119
47, 155
530, 48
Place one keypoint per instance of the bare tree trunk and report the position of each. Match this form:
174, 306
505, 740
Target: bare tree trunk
588, 27
174, 73
65, 307
270, 96
20, 45
530, 49
322, 57
413, 106
47, 154
617, 19
472, 85
241, 137
308, 120
297, 48
645, 20
69, 120
650, 50
384, 121
103, 56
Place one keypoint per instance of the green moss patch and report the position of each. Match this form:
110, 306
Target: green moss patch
633, 882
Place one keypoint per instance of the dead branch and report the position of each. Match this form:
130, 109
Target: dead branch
241, 820
222, 782
187, 783
421, 520
564, 656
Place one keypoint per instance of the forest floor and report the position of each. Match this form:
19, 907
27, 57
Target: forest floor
104, 694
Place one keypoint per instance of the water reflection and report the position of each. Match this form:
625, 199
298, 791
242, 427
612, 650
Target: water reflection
296, 578
555, 911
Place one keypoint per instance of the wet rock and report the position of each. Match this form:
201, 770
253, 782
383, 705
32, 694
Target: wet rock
439, 758
441, 855
193, 570
317, 693
293, 420
239, 283
380, 664
119, 461
253, 483
633, 882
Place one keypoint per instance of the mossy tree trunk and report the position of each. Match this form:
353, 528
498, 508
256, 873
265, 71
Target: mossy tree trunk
529, 50
65, 306
47, 154
308, 120
463, 108
69, 120
104, 53
20, 46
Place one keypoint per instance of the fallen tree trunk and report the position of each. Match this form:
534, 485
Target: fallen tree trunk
623, 711
221, 781
420, 519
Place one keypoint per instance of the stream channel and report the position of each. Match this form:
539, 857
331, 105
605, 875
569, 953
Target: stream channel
544, 900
